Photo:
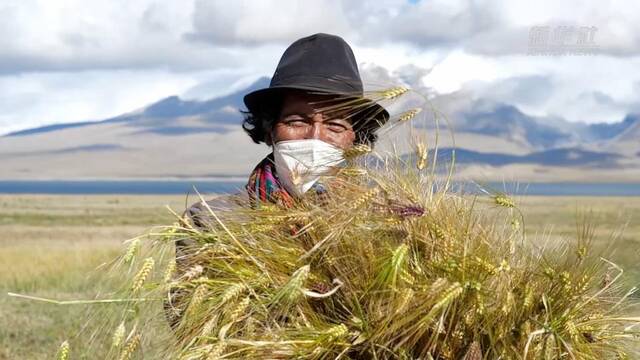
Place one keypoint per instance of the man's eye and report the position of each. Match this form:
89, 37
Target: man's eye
295, 121
337, 127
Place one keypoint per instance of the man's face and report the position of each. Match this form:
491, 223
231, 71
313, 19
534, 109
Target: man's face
301, 119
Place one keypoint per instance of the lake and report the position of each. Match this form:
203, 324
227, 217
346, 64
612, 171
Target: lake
117, 186
223, 186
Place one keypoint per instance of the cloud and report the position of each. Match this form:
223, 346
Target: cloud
561, 88
245, 22
69, 35
429, 24
524, 91
493, 27
66, 61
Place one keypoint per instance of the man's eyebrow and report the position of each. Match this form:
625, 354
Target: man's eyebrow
294, 112
329, 115
339, 119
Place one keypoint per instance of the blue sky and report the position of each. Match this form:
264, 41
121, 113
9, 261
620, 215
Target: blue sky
72, 60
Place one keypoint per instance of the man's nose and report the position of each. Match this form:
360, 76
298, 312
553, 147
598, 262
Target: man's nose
316, 127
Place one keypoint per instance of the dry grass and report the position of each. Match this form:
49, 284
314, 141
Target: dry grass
50, 246
613, 217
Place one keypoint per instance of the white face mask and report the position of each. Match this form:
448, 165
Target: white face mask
300, 163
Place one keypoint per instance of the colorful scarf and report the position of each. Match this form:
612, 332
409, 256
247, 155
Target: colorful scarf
264, 187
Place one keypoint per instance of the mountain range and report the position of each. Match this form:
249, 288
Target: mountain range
177, 138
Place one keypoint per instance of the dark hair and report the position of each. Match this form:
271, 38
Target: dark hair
259, 124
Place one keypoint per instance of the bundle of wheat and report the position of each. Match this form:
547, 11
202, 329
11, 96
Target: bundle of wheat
390, 266
389, 263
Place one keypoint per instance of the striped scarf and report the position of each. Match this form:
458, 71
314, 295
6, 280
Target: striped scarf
264, 187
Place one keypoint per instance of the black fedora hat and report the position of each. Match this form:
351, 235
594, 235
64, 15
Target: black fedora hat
323, 64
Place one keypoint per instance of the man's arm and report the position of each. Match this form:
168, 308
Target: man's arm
200, 218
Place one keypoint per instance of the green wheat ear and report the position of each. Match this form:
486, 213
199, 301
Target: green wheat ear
63, 351
392, 269
293, 288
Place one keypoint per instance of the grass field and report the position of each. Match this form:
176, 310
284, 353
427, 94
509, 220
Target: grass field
50, 246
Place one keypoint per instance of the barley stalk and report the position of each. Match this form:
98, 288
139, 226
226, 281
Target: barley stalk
239, 309
397, 264
450, 294
293, 289
356, 151
504, 266
337, 331
118, 335
407, 277
353, 171
504, 201
408, 115
422, 155
437, 231
63, 351
368, 251
407, 295
130, 348
366, 197
208, 327
508, 303
197, 298
132, 249
528, 297
486, 266
171, 269
581, 252
571, 329
217, 350
143, 274
474, 352
232, 292
393, 93
583, 284
515, 224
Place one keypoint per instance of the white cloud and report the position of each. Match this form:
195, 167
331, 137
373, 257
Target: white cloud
493, 27
70, 34
246, 22
549, 86
66, 35
69, 60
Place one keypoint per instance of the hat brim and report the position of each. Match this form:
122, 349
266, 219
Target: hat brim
264, 100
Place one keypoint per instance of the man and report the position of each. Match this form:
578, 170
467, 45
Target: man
314, 105
312, 111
